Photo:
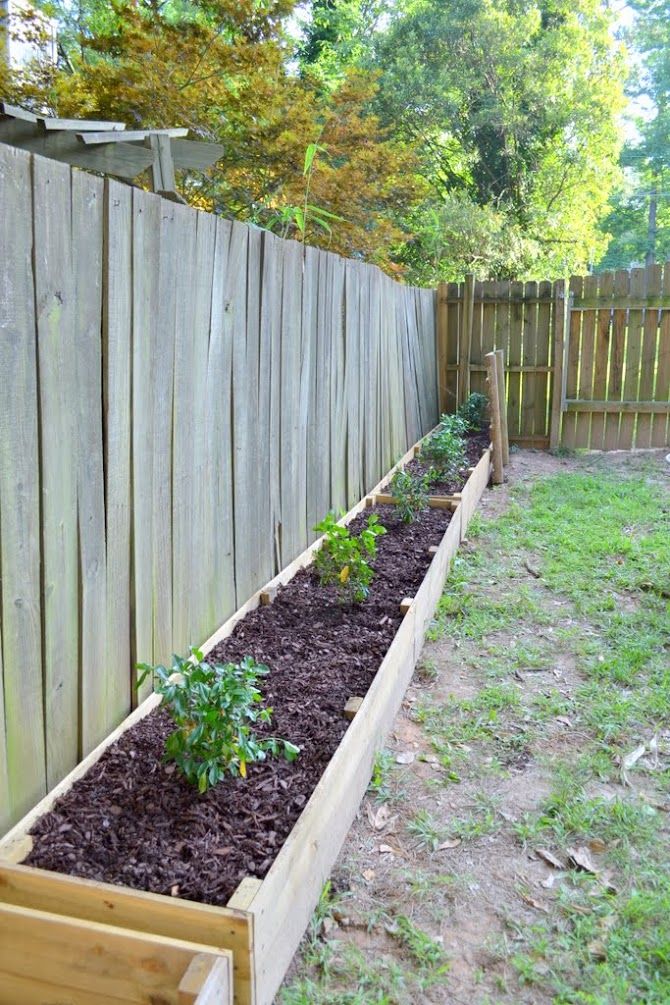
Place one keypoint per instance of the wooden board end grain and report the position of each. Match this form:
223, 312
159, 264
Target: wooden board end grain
405, 605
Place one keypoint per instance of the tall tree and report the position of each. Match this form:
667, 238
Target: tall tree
515, 105
223, 69
639, 223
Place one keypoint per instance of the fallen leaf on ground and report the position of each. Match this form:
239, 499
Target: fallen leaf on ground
564, 719
549, 858
597, 845
629, 761
535, 573
449, 843
368, 875
386, 849
579, 858
597, 949
378, 819
549, 881
534, 903
405, 757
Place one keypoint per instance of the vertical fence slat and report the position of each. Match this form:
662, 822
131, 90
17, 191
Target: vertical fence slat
244, 397
161, 486
528, 355
338, 442
631, 369
454, 321
293, 526
217, 557
117, 369
488, 334
352, 365
251, 412
145, 292
54, 294
310, 306
87, 247
183, 489
542, 357
22, 751
572, 361
514, 359
586, 352
648, 357
660, 434
268, 403
202, 625
601, 354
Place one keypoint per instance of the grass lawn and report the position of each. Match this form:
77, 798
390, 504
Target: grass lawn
515, 843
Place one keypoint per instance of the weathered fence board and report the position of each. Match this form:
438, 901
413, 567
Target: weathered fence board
54, 299
22, 752
188, 398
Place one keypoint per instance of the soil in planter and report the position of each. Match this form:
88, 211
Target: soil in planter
132, 820
475, 445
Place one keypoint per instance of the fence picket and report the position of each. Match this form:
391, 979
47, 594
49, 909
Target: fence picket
660, 435
22, 745
586, 354
648, 357
601, 355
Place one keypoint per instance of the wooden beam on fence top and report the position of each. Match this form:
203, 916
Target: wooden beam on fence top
132, 135
195, 154
584, 405
496, 438
77, 125
14, 112
557, 382
502, 400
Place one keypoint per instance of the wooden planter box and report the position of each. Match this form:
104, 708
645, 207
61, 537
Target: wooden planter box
154, 936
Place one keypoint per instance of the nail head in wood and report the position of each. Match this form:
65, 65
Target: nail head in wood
352, 707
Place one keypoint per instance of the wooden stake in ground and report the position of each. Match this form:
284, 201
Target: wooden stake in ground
502, 401
492, 378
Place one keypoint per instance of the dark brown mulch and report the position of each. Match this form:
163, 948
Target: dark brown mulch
475, 445
132, 820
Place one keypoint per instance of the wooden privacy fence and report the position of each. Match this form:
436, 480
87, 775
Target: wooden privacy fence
587, 366
182, 399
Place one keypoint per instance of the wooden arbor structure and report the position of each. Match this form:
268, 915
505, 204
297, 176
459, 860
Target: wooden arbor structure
108, 147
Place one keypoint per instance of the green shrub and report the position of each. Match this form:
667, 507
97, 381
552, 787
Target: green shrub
341, 561
473, 412
411, 495
213, 707
444, 450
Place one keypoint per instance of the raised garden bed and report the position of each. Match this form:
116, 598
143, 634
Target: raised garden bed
262, 847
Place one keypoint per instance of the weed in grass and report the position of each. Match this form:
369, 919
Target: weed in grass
426, 952
426, 828
380, 783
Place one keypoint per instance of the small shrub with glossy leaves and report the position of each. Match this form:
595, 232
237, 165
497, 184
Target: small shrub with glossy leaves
410, 494
214, 706
473, 411
342, 559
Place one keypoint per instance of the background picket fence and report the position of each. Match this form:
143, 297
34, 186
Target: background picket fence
588, 364
183, 399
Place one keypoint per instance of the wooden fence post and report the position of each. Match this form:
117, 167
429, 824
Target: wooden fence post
465, 339
442, 345
496, 439
502, 402
557, 383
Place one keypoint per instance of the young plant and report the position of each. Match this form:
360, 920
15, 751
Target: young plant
444, 451
214, 707
342, 559
473, 411
411, 495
